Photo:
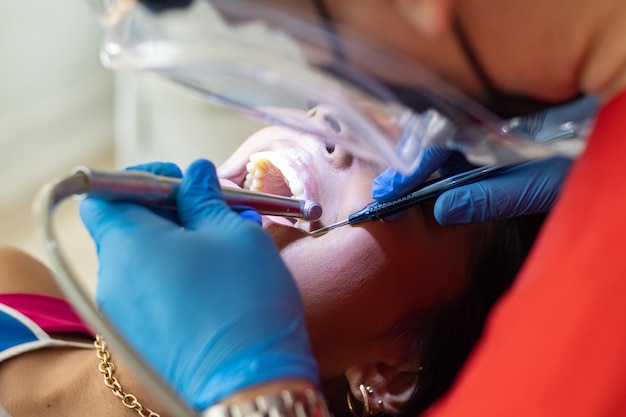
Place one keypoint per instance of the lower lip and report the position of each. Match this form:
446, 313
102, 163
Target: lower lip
277, 220
283, 233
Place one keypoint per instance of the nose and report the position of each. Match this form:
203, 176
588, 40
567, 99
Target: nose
328, 119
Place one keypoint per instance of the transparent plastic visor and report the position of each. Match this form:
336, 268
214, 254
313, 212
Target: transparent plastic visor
284, 69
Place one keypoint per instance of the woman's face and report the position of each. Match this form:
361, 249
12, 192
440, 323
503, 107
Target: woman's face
358, 283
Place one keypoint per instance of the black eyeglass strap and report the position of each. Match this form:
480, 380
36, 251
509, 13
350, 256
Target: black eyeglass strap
329, 28
322, 10
503, 104
472, 58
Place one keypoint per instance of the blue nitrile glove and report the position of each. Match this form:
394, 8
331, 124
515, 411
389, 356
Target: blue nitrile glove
391, 184
210, 305
526, 189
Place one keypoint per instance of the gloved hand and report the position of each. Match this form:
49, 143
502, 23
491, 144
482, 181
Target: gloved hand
529, 188
526, 189
391, 184
210, 305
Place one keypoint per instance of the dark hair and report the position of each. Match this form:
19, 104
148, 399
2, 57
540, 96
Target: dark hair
457, 325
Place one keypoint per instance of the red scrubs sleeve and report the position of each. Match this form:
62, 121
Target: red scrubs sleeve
555, 344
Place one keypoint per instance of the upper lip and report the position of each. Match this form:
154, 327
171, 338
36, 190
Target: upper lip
299, 159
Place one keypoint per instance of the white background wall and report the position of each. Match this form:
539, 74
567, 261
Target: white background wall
55, 97
156, 120
59, 107
55, 113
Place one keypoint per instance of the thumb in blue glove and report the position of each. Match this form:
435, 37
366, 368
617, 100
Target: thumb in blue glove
392, 184
211, 305
168, 169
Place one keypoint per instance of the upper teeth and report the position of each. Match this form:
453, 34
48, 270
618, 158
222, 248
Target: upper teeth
257, 169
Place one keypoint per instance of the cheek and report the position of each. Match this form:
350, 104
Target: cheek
337, 279
358, 283
427, 264
348, 191
334, 271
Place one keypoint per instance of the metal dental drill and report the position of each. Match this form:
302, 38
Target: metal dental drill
159, 191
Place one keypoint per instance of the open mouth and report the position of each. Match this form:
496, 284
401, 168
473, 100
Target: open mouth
271, 173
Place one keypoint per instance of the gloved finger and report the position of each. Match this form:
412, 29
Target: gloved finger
169, 169
165, 169
526, 189
244, 211
391, 184
455, 164
248, 214
129, 221
200, 199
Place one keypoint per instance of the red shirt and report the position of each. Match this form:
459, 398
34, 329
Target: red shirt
555, 345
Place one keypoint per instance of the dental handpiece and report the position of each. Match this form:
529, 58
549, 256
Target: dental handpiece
160, 192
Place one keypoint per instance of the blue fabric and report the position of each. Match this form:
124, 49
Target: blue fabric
13, 332
19, 334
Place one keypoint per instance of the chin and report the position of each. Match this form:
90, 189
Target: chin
282, 234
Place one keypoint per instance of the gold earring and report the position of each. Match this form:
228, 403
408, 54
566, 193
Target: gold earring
366, 401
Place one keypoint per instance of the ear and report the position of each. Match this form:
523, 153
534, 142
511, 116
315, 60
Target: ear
430, 18
388, 387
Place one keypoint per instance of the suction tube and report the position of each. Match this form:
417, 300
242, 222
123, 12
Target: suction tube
46, 202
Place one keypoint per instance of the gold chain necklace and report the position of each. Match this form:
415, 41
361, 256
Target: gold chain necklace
106, 368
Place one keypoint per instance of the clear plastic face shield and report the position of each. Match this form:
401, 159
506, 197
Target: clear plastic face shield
275, 62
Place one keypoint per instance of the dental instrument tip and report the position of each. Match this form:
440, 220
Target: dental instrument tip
312, 210
325, 229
